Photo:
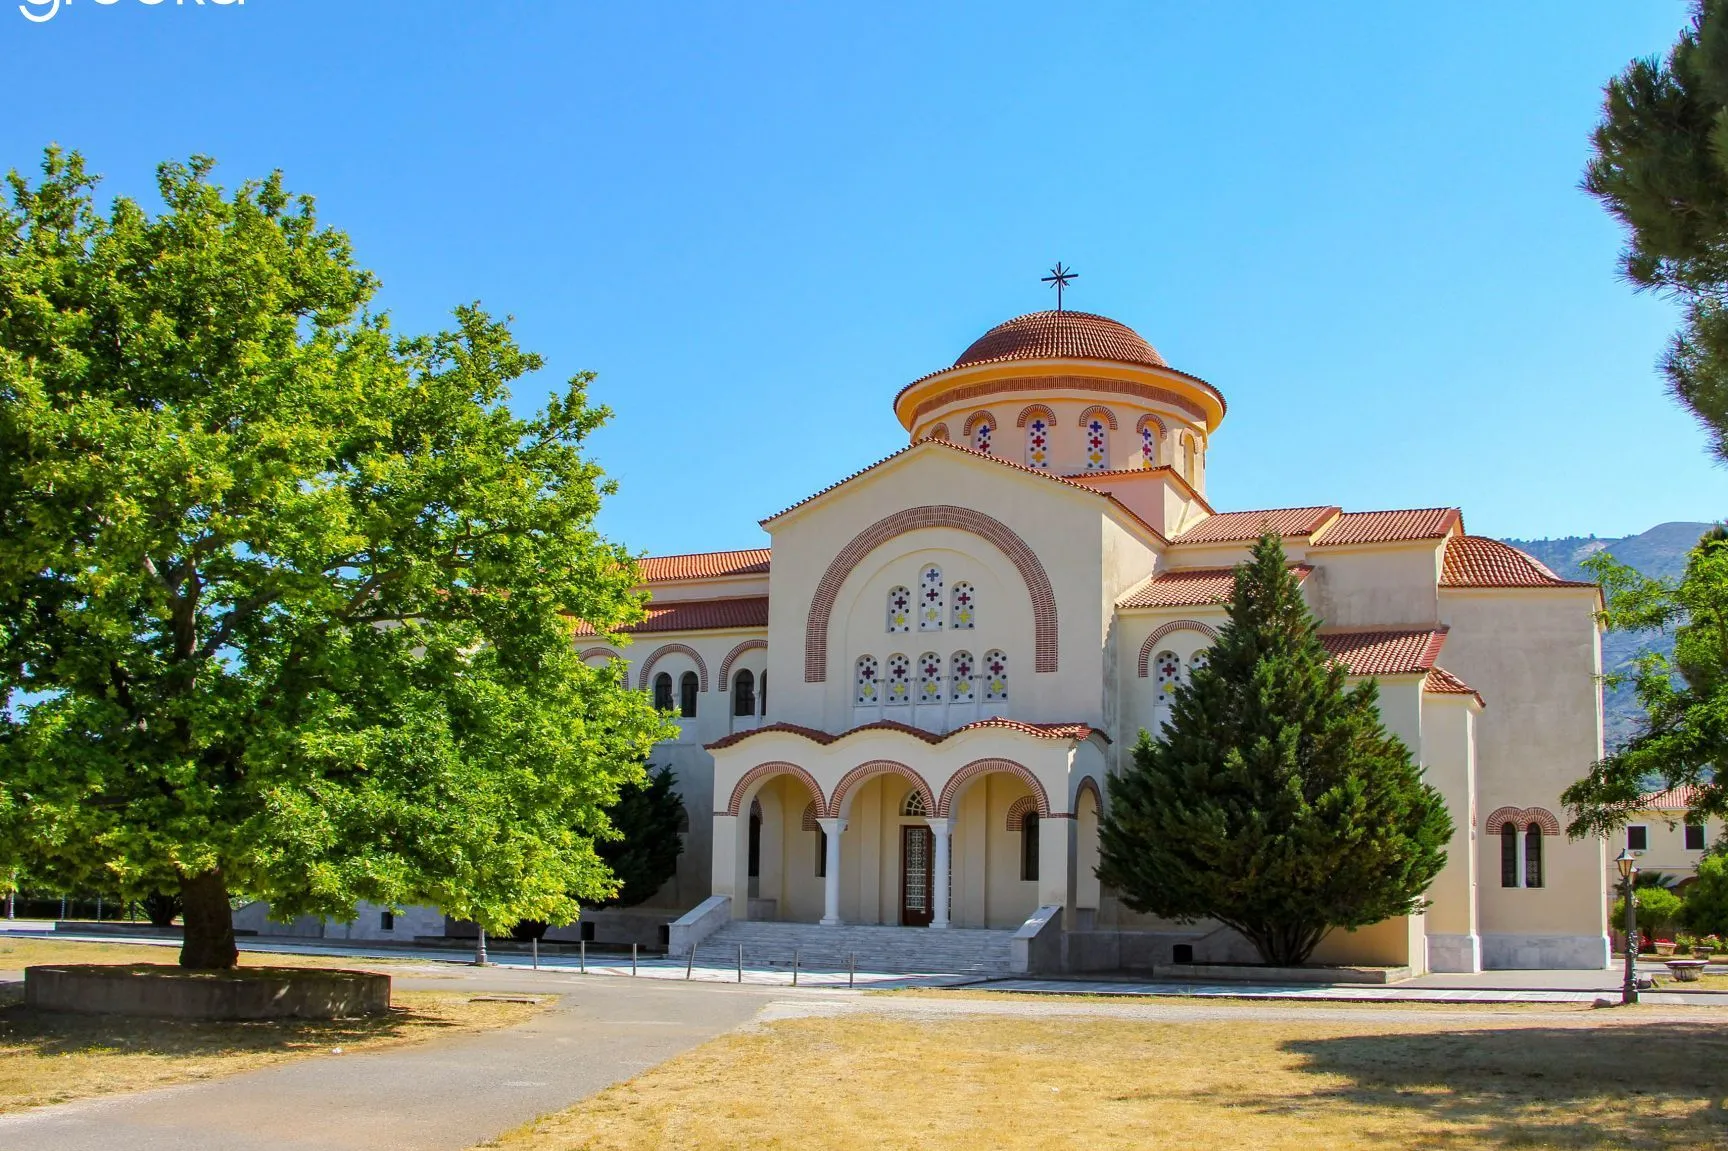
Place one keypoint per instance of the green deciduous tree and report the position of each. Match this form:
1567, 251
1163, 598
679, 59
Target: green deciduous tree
1685, 736
1276, 802
1706, 910
1661, 167
287, 600
1658, 910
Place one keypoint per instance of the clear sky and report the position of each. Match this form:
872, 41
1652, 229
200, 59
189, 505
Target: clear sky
758, 221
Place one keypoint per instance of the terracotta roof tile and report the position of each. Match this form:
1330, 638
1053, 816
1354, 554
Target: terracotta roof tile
1674, 799
1061, 336
1075, 731
704, 565
1390, 526
1192, 587
698, 615
1442, 682
1476, 561
1236, 527
1386, 652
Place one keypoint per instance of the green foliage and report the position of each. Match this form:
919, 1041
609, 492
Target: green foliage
1685, 738
1276, 803
1706, 910
286, 599
1658, 910
1661, 167
647, 818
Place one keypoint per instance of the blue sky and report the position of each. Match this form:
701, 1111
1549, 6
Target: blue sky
757, 222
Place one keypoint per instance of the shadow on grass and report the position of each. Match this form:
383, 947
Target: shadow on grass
1657, 1084
53, 1033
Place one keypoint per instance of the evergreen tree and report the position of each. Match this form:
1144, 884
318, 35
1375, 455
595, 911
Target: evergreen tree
648, 818
1276, 802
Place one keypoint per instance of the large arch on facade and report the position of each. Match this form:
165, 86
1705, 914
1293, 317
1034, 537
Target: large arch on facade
867, 771
763, 772
587, 654
978, 768
1160, 632
669, 649
992, 530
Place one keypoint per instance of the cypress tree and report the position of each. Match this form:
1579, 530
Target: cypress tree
1276, 801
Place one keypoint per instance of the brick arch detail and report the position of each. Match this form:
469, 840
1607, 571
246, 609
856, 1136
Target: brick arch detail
669, 649
976, 418
993, 531
1155, 421
1088, 784
1099, 409
1166, 629
808, 823
1031, 410
589, 653
763, 771
940, 432
1523, 817
980, 767
872, 769
1019, 810
731, 656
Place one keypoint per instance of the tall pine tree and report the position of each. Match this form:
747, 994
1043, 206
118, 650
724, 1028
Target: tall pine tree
1276, 802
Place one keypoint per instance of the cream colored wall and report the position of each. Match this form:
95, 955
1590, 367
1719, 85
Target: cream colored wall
1395, 942
734, 587
988, 890
788, 859
1667, 853
1393, 584
1135, 698
1068, 436
1534, 655
1448, 756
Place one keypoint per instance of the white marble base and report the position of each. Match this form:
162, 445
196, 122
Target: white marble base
1545, 952
1452, 953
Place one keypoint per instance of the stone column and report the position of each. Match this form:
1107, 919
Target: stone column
1523, 877
831, 872
943, 830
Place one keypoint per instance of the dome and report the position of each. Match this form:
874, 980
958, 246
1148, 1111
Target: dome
1061, 335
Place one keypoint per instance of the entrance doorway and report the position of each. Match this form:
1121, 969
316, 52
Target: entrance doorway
916, 872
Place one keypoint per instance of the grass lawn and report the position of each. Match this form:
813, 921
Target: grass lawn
1566, 1080
48, 1057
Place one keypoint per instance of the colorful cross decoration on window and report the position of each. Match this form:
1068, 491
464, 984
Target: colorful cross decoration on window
964, 618
930, 599
1095, 440
1038, 443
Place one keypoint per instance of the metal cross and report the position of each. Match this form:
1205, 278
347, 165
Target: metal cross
1058, 279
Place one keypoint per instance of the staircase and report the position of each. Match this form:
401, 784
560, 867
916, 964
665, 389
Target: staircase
885, 950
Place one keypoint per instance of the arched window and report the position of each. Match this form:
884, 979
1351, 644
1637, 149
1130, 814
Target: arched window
929, 678
663, 692
1187, 457
687, 694
1029, 847
1148, 445
899, 609
961, 687
1508, 854
1168, 667
897, 686
1097, 445
1195, 663
981, 435
995, 676
930, 599
868, 691
914, 807
1533, 855
1038, 442
963, 603
744, 693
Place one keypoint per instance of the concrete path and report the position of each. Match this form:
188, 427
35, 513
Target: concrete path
427, 1097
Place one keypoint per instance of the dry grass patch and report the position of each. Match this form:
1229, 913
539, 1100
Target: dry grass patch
17, 954
878, 1081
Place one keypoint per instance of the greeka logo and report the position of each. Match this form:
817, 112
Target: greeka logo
42, 11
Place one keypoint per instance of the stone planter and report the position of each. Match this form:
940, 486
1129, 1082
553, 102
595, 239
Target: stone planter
170, 992
1664, 949
1685, 970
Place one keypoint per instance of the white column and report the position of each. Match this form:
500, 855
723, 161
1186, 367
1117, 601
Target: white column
943, 829
831, 871
1523, 879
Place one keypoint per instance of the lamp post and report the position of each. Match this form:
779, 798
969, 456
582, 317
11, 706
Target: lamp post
1627, 863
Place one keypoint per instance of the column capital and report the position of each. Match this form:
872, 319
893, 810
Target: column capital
940, 824
833, 826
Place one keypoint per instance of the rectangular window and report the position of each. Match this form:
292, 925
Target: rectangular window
387, 921
1638, 838
1029, 848
1694, 837
821, 854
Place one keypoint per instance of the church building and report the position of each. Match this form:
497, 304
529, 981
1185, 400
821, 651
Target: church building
908, 711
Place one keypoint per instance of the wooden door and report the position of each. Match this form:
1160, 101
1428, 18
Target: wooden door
917, 847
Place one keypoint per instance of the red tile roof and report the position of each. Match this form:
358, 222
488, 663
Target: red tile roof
1476, 561
1074, 731
1192, 587
1236, 527
698, 615
704, 565
1674, 799
1442, 682
1390, 526
1061, 336
1386, 652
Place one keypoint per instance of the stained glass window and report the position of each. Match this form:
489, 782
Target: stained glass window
1169, 672
868, 689
929, 678
961, 686
963, 615
1148, 446
1097, 445
930, 599
1038, 442
981, 436
897, 685
899, 609
995, 676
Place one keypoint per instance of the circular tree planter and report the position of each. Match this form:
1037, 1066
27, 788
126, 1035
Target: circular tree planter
173, 992
1686, 970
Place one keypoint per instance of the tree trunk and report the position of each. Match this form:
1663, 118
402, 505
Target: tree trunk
209, 922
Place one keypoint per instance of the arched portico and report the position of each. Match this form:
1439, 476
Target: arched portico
761, 837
